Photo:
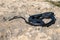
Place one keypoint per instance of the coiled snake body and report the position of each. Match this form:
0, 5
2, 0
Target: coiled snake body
36, 20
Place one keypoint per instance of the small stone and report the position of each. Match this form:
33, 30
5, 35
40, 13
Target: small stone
57, 25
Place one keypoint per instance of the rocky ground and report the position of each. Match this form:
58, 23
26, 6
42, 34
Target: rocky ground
17, 29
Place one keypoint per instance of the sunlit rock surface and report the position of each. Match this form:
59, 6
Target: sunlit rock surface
17, 29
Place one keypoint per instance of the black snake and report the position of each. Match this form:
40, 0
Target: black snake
36, 20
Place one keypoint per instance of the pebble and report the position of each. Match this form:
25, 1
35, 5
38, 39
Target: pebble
58, 25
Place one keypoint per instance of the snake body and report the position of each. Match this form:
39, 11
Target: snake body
36, 20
